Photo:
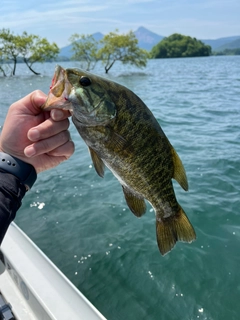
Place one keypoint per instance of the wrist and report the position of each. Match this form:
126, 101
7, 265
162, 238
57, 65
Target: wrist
25, 172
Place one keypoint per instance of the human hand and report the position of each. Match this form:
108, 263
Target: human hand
38, 137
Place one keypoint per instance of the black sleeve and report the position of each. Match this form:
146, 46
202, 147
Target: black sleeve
11, 193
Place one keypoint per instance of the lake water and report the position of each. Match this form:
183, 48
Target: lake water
84, 226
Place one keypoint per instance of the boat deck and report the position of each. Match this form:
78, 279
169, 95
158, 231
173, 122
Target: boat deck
35, 287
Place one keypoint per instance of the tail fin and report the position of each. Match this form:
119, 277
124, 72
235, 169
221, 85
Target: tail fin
173, 229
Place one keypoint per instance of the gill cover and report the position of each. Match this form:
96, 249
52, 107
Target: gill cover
91, 102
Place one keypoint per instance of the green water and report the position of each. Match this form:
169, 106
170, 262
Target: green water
84, 226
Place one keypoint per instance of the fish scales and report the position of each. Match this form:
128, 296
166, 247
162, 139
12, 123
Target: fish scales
123, 134
132, 120
135, 160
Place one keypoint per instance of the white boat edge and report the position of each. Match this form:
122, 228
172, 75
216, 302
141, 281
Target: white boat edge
35, 287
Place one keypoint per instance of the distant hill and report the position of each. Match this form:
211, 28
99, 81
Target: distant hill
218, 43
147, 39
67, 52
230, 45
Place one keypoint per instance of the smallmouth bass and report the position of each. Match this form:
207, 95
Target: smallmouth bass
122, 134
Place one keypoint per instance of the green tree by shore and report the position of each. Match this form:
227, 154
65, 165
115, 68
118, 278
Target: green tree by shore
113, 47
121, 47
27, 48
35, 49
227, 52
180, 46
85, 49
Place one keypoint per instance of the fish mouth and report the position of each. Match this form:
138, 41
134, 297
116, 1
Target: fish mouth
58, 96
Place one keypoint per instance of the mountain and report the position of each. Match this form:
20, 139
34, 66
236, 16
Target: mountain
230, 45
67, 52
147, 39
217, 43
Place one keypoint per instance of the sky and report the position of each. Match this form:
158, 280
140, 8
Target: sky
57, 20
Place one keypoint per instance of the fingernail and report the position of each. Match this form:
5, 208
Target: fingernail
33, 134
57, 114
29, 151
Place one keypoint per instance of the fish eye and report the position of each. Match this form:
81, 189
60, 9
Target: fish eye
84, 81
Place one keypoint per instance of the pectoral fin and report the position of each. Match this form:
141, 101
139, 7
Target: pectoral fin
120, 144
97, 162
179, 173
136, 204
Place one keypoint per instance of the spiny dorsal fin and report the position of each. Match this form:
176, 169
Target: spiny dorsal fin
97, 162
136, 204
179, 173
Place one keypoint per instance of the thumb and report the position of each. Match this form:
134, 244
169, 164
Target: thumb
31, 104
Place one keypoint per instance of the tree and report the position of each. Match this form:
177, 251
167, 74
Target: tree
85, 48
121, 47
2, 69
35, 49
9, 47
30, 48
177, 46
227, 52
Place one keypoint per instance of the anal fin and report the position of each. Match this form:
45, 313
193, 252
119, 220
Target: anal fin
136, 204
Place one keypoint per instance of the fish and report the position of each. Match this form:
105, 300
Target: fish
123, 135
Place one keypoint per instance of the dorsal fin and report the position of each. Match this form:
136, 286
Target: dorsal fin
136, 204
179, 173
97, 162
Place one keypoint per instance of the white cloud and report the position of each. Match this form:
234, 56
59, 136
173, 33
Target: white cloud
59, 19
36, 17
